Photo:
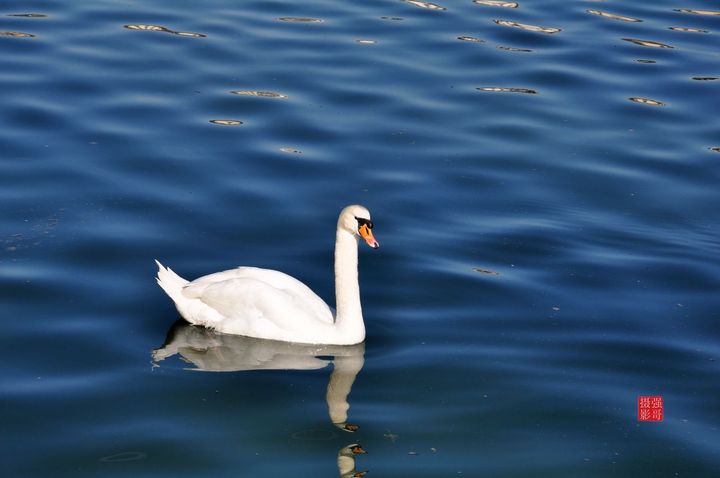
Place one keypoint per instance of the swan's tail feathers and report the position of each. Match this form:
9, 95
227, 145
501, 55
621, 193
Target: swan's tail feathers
170, 282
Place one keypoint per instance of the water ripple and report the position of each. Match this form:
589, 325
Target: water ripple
27, 15
698, 12
471, 39
16, 34
226, 122
525, 26
647, 43
160, 28
688, 29
300, 20
507, 90
428, 5
510, 48
124, 457
497, 3
613, 16
261, 94
646, 101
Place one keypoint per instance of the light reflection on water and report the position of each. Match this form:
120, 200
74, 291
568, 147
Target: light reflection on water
698, 12
27, 15
613, 16
300, 20
471, 39
525, 26
497, 3
428, 5
646, 101
647, 43
688, 29
507, 89
226, 122
17, 34
159, 28
263, 94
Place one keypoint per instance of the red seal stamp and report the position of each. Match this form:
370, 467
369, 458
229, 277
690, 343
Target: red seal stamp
650, 409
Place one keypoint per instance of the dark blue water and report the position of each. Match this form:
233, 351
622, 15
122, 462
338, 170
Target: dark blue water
547, 203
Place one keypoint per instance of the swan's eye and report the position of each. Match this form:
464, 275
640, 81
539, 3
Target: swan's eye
364, 222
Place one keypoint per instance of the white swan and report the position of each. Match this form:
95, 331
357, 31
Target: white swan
272, 305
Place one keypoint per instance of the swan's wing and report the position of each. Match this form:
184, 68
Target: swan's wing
266, 275
256, 309
275, 279
250, 291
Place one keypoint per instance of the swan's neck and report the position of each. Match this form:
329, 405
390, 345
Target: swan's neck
349, 320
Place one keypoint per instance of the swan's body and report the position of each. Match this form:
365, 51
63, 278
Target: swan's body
268, 304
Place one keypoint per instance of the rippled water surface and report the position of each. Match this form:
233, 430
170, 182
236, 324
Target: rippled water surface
543, 178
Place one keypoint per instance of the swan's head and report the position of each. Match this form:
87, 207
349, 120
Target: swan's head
356, 220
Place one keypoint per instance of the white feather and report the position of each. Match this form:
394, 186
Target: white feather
269, 304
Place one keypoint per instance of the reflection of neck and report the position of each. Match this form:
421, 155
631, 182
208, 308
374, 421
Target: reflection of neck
341, 381
346, 463
348, 319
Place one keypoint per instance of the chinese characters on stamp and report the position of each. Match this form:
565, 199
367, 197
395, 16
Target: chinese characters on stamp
650, 408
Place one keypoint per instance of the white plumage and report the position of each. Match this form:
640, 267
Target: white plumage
269, 304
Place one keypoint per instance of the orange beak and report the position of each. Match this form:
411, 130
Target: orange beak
358, 450
367, 234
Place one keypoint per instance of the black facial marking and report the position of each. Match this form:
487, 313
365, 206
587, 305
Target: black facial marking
362, 221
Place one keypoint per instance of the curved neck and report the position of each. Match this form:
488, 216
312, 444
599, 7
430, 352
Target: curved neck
348, 319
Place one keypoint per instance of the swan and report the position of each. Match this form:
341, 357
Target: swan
268, 304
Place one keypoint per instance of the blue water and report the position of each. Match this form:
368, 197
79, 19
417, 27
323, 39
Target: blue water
550, 246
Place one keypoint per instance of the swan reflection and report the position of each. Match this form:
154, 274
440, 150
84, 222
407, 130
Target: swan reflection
346, 461
214, 352
209, 351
